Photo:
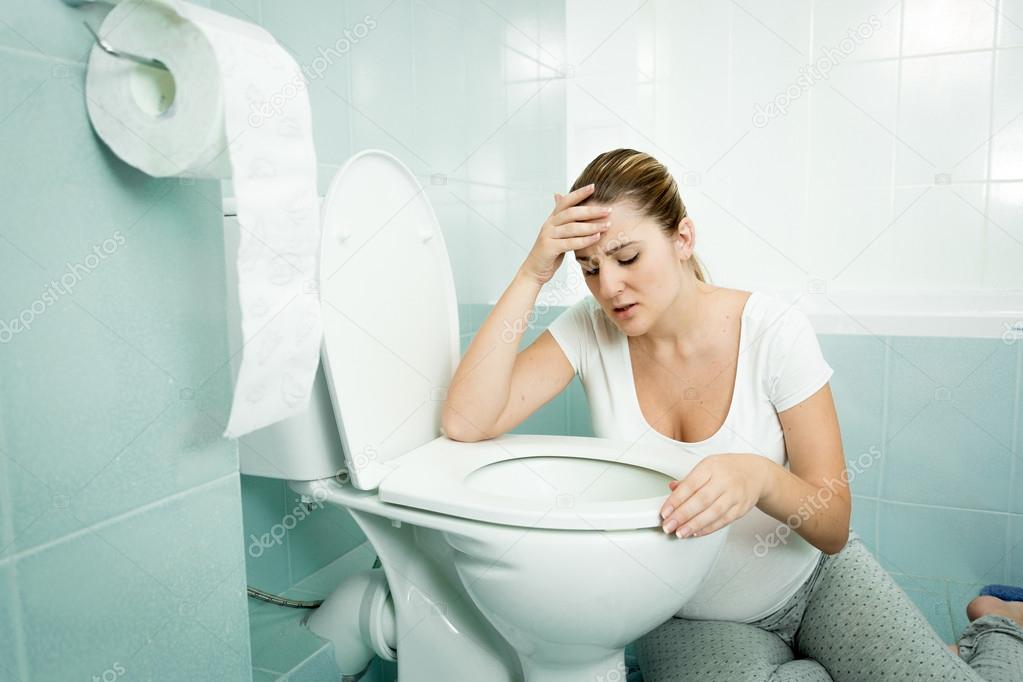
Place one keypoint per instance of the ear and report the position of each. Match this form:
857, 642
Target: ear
685, 238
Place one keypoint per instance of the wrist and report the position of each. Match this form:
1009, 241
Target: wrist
768, 470
523, 275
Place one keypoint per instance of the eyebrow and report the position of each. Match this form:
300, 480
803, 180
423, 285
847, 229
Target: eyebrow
613, 250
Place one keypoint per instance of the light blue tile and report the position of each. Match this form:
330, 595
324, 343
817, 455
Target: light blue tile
326, 533
94, 439
12, 662
864, 521
941, 458
266, 559
280, 641
50, 28
858, 389
172, 577
579, 421
1015, 550
321, 36
950, 422
930, 596
550, 419
261, 675
383, 83
1016, 505
442, 104
958, 545
387, 671
320, 666
959, 595
320, 584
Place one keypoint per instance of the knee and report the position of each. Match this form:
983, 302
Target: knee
980, 607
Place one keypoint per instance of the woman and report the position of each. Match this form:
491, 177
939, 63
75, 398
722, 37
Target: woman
738, 379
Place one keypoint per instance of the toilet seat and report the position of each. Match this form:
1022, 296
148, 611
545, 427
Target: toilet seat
438, 477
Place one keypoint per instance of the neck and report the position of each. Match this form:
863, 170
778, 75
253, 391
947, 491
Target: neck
683, 330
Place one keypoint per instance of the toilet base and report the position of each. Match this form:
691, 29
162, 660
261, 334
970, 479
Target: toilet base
609, 669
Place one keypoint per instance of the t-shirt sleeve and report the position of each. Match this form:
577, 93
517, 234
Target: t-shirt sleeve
797, 365
573, 330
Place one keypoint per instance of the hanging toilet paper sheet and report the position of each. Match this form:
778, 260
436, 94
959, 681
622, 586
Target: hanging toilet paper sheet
232, 104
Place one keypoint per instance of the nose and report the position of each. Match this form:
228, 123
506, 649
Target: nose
611, 281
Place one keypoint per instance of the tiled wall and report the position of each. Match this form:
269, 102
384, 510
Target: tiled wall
120, 507
464, 94
888, 160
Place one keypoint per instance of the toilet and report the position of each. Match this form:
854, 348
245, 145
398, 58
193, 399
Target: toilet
523, 557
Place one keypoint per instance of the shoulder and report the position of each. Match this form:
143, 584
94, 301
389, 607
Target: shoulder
775, 325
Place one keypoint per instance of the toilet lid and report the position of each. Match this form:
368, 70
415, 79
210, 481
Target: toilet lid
390, 316
622, 485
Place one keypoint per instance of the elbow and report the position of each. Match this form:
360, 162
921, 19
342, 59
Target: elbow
458, 428
836, 547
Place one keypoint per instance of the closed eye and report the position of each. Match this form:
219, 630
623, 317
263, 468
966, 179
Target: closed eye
590, 273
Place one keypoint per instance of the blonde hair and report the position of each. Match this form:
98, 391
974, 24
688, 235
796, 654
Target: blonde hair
627, 174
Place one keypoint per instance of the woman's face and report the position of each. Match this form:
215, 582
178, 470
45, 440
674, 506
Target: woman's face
633, 263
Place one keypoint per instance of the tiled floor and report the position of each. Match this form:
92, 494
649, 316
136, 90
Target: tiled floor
284, 649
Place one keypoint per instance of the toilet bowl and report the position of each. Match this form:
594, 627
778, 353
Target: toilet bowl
520, 557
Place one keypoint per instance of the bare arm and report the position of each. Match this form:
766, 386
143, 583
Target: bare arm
481, 385
815, 489
477, 405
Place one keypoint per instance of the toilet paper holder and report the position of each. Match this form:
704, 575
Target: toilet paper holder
109, 49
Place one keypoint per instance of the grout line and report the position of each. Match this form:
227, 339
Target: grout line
984, 231
1014, 472
927, 55
942, 507
287, 539
42, 56
885, 450
893, 203
319, 652
149, 506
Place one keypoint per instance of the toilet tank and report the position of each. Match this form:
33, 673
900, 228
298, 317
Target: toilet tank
305, 447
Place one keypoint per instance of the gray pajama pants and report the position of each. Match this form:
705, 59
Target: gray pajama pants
849, 621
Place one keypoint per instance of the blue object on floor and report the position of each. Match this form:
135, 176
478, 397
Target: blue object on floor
1004, 592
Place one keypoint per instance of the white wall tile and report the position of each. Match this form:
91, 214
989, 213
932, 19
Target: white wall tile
944, 110
1007, 120
852, 125
1010, 23
1004, 247
943, 25
937, 242
871, 25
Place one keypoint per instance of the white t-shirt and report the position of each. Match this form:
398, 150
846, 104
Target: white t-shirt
780, 364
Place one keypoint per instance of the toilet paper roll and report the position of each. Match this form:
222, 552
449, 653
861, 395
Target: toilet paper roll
233, 104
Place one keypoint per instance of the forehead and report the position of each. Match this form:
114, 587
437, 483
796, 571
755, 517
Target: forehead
627, 225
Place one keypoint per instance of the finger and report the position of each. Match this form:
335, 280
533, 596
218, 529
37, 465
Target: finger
573, 198
691, 508
695, 480
719, 515
577, 243
673, 484
711, 513
578, 213
580, 229
722, 521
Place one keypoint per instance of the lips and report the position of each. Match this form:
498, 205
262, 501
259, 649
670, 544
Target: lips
624, 307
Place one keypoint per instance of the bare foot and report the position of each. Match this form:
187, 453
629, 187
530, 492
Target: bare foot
987, 605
